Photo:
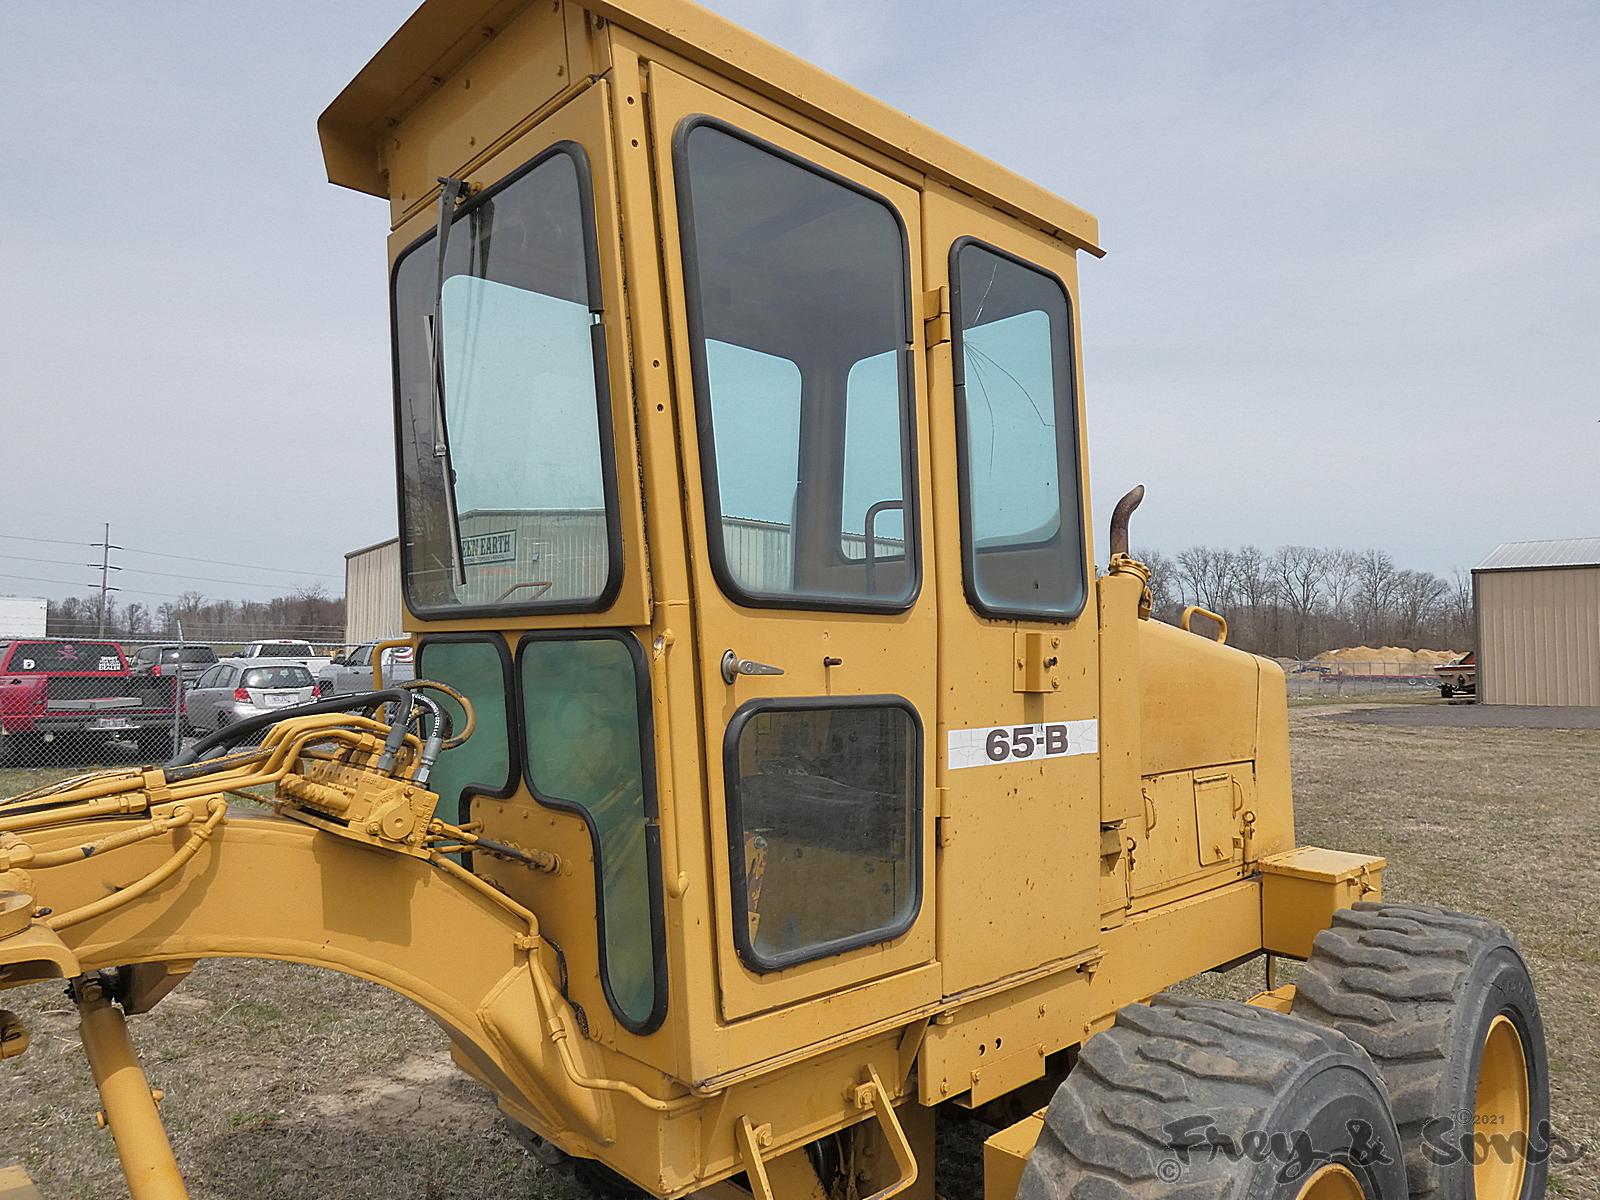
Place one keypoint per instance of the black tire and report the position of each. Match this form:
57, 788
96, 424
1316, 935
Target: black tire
1419, 988
1178, 1101
1446, 690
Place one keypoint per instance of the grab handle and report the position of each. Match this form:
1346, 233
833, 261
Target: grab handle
1196, 610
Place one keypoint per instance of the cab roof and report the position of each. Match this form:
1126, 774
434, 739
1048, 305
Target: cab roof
443, 34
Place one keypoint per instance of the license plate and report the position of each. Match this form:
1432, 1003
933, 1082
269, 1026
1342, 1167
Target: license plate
279, 701
101, 724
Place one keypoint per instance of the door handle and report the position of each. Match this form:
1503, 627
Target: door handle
733, 666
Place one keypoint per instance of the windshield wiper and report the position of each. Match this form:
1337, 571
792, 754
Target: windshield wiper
450, 192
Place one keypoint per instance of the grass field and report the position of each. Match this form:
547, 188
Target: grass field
289, 1082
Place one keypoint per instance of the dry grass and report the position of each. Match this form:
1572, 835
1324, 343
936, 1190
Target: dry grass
287, 1081
1494, 821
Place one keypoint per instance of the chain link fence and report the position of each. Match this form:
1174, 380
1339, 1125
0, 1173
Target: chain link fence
81, 703
1319, 678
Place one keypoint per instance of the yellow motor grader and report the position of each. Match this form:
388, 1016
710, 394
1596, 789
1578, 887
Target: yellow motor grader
780, 778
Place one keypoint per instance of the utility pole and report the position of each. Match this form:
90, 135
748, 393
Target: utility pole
105, 572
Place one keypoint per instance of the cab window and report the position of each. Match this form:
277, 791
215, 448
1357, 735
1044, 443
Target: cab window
508, 491
587, 750
479, 667
824, 817
1016, 433
799, 319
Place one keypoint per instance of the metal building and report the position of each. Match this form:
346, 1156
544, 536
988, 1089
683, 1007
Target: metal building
1539, 623
514, 543
372, 609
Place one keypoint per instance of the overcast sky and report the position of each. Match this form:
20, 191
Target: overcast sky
1352, 294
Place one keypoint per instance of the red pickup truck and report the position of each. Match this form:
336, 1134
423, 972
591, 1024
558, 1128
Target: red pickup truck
79, 694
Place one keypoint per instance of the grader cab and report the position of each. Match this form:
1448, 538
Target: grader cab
780, 778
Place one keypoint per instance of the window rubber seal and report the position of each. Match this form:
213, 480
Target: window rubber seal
615, 565
513, 742
652, 820
752, 958
688, 245
1062, 615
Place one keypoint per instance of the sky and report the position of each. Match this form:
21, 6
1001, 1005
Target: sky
1352, 294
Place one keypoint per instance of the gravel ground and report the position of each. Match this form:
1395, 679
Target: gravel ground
287, 1081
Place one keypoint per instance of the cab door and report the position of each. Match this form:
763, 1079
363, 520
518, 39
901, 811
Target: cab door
1018, 727
801, 389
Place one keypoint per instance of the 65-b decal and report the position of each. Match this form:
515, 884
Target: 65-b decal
995, 745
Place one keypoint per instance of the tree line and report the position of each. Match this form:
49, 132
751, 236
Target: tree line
308, 613
1297, 601
1292, 602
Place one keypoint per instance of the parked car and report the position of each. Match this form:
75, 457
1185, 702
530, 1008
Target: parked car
188, 661
282, 649
61, 689
352, 672
233, 691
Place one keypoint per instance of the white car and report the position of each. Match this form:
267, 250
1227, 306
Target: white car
280, 650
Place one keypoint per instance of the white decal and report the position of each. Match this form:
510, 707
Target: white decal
489, 548
998, 744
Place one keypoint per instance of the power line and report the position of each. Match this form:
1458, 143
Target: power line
78, 583
54, 562
213, 562
62, 562
218, 562
17, 537
205, 578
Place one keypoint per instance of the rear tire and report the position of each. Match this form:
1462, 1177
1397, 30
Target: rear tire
1444, 1004
1206, 1099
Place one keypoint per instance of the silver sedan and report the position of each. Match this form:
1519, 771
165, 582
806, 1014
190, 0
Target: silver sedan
233, 691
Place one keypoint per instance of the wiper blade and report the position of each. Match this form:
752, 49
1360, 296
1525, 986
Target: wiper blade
450, 192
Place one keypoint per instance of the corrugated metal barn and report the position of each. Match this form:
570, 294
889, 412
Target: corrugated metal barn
373, 604
1539, 623
372, 609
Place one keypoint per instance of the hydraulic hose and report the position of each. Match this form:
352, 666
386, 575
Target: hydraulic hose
229, 734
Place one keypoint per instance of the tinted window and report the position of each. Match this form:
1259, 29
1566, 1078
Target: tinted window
1016, 428
507, 482
585, 752
478, 670
210, 679
798, 315
188, 654
284, 650
65, 657
824, 807
276, 677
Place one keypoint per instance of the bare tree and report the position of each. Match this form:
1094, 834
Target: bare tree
1300, 574
1419, 601
1206, 573
1462, 608
1373, 598
1164, 590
